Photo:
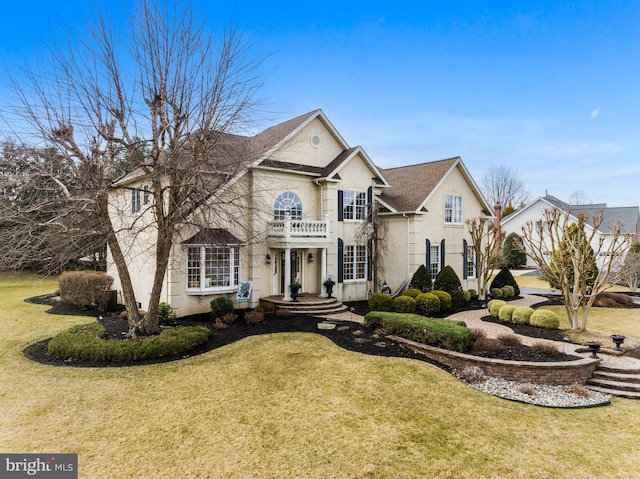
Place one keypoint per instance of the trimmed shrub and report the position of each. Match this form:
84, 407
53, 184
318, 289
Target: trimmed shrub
543, 318
473, 293
166, 314
613, 300
412, 292
466, 296
521, 315
444, 333
507, 291
84, 342
380, 302
421, 280
505, 278
494, 306
444, 297
427, 303
404, 304
496, 293
221, 306
85, 289
448, 281
505, 312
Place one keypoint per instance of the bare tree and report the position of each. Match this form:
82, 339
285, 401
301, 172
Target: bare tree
578, 197
566, 259
374, 233
502, 185
483, 242
165, 89
629, 272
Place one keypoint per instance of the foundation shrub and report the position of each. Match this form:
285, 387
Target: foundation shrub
412, 292
427, 303
380, 302
521, 315
473, 293
448, 281
84, 342
421, 280
505, 312
221, 306
494, 306
404, 304
466, 296
444, 333
230, 318
543, 318
496, 293
85, 289
166, 314
284, 313
445, 298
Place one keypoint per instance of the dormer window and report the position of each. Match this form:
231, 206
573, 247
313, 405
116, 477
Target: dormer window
287, 202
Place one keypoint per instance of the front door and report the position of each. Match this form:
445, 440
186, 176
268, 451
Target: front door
296, 268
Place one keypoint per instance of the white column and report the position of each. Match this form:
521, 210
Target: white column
323, 272
287, 274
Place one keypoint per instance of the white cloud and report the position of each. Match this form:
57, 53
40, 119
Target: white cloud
595, 113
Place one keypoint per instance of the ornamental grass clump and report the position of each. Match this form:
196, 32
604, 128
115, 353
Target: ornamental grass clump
85, 342
443, 333
543, 318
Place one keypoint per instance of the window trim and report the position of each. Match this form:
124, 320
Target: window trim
358, 201
434, 260
359, 263
455, 216
136, 204
470, 261
287, 196
234, 269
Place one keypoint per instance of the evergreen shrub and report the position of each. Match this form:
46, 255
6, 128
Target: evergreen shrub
427, 303
448, 281
543, 318
380, 302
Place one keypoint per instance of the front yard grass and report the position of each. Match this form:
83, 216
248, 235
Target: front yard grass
286, 405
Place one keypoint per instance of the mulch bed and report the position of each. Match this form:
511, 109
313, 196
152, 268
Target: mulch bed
348, 335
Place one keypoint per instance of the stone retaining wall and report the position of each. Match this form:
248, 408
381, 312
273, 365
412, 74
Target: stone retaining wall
558, 373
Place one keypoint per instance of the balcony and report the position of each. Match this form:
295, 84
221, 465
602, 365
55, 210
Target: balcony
288, 233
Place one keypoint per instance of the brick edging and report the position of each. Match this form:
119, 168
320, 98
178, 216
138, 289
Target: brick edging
558, 373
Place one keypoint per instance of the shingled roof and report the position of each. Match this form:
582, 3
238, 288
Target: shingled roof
411, 185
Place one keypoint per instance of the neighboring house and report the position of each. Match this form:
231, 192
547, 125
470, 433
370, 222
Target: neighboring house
628, 216
297, 208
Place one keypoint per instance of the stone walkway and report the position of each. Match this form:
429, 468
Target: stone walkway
493, 330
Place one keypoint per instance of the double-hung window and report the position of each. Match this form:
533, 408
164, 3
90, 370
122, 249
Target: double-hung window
355, 262
434, 260
471, 262
453, 209
135, 200
211, 268
355, 205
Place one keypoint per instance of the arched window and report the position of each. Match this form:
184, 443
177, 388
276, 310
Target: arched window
290, 202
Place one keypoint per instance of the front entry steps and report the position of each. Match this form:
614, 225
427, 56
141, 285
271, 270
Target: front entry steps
621, 382
307, 304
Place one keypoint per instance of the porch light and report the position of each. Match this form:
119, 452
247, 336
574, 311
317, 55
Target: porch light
310, 258
268, 258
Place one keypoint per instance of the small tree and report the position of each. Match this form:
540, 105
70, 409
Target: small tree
505, 278
566, 259
483, 242
448, 281
629, 273
513, 251
421, 279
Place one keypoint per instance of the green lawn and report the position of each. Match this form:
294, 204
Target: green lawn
287, 405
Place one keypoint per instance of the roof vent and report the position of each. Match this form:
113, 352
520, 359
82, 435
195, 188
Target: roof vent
315, 141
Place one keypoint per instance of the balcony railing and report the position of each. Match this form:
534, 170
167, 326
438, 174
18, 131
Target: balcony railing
289, 229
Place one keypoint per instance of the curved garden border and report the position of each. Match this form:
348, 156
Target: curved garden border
556, 373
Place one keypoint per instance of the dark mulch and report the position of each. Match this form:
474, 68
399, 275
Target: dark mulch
348, 335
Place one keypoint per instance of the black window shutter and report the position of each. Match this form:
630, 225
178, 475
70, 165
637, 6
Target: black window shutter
465, 258
340, 261
370, 203
340, 205
442, 255
428, 255
369, 259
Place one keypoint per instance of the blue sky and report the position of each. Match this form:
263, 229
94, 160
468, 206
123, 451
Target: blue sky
549, 88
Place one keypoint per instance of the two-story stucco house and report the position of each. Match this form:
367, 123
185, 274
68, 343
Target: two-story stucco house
298, 209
